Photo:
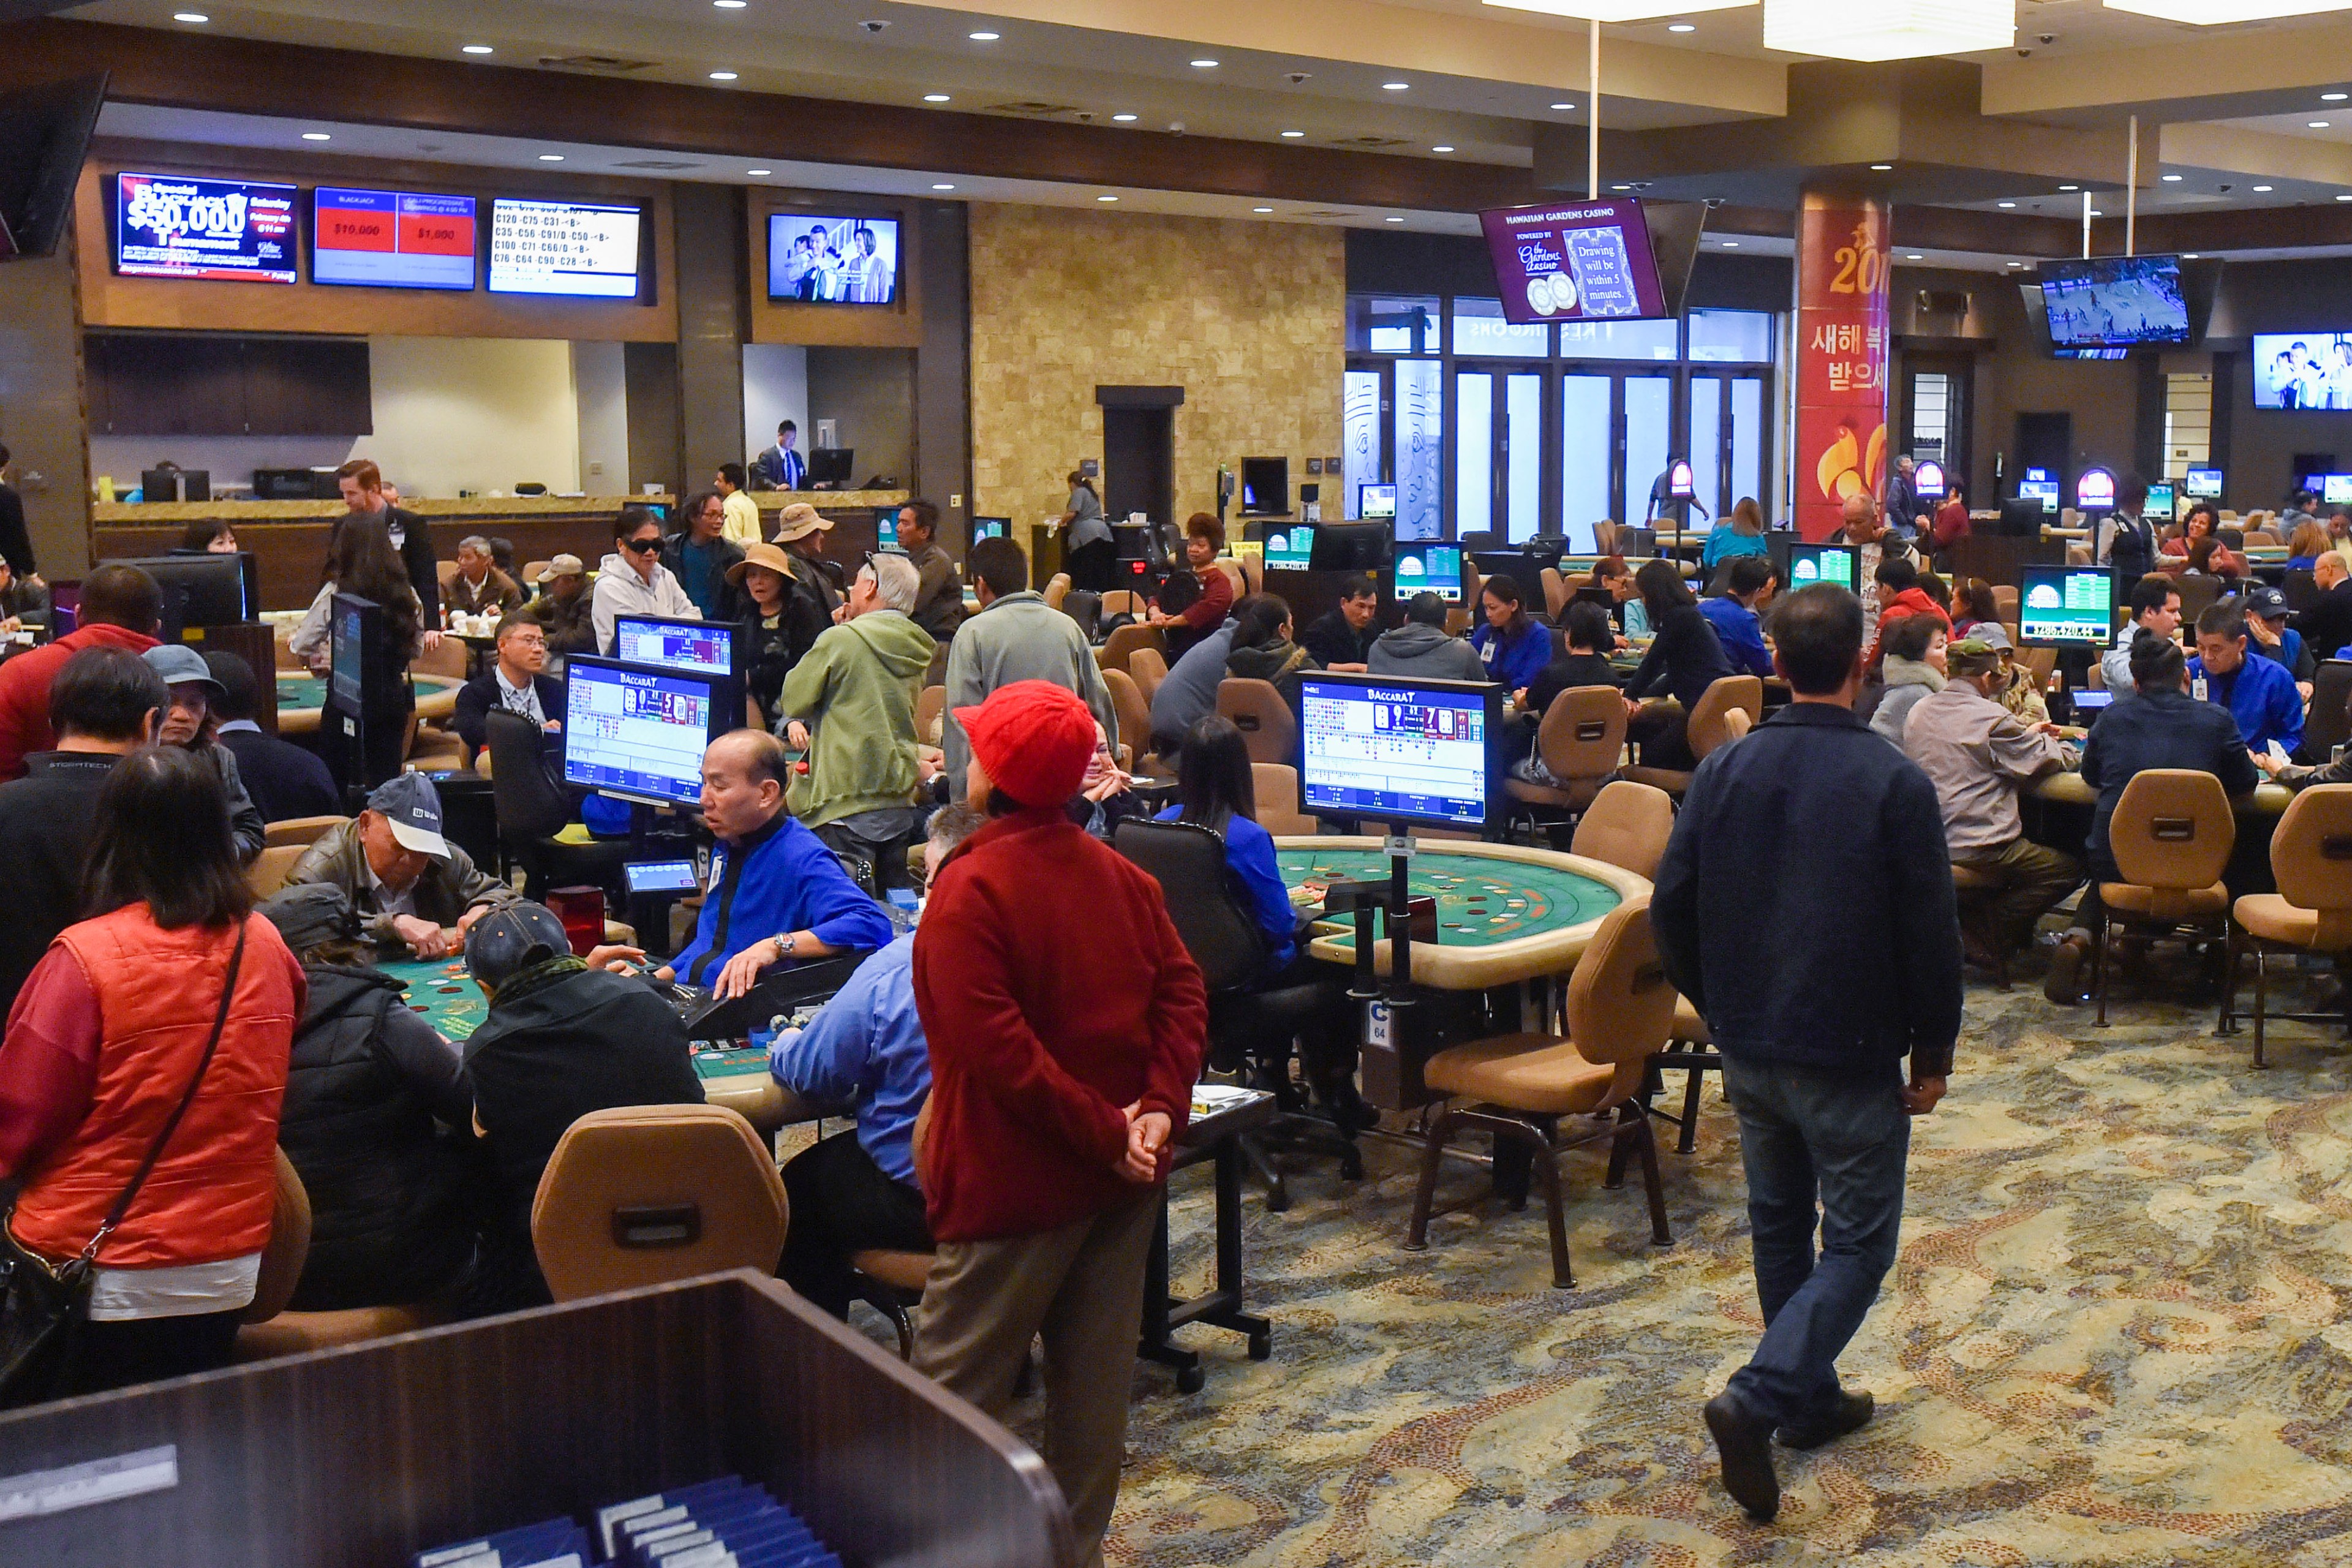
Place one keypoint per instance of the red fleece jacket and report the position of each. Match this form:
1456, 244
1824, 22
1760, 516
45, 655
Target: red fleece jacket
1053, 992
25, 690
1910, 601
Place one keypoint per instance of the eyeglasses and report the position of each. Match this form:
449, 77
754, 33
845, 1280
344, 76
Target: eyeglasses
641, 546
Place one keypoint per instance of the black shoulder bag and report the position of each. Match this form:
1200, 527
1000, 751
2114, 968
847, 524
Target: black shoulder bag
42, 1307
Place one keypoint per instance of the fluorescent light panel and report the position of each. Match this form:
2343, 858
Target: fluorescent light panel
1620, 10
1889, 29
2212, 12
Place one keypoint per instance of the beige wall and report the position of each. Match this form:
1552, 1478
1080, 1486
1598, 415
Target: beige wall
476, 414
1247, 318
42, 421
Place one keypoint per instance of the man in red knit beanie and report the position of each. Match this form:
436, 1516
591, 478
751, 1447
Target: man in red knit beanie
1066, 1024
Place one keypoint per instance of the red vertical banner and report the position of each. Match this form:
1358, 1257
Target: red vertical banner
1841, 352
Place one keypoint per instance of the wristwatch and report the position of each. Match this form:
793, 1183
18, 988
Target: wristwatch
783, 940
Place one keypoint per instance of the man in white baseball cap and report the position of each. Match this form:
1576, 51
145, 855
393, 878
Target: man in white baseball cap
409, 885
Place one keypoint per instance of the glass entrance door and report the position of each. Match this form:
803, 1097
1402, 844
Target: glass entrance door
1499, 452
1727, 439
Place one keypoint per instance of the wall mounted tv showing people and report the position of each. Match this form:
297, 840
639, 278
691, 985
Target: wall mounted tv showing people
1577, 261
2115, 302
166, 225
2303, 370
833, 260
392, 240
579, 248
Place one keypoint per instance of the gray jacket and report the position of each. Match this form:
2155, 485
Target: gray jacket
445, 891
245, 821
1907, 680
1017, 637
1425, 652
1188, 693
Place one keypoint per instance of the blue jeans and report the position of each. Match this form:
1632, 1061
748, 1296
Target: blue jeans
1843, 1137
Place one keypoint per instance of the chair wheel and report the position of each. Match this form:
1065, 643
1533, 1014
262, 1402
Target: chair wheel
1191, 1380
1260, 1346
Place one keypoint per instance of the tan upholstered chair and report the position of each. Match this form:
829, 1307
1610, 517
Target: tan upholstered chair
1518, 1086
449, 658
531, 571
1123, 602
1690, 1047
930, 714
1736, 725
643, 1195
1626, 825
302, 830
892, 1281
271, 867
2197, 595
1114, 652
446, 572
2078, 554
269, 1329
1581, 739
1265, 720
2172, 836
1234, 575
1555, 592
1058, 588
1275, 785
1134, 724
2004, 598
2264, 537
1148, 666
2311, 860
1253, 574
1707, 728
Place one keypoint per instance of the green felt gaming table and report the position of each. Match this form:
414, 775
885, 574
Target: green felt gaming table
1505, 912
736, 1078
300, 697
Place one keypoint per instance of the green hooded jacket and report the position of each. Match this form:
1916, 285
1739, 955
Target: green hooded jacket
856, 690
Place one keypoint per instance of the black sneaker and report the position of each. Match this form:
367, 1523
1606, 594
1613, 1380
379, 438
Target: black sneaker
1745, 1444
1851, 1414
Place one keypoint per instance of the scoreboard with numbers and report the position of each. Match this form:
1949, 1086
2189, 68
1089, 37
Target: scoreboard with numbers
564, 247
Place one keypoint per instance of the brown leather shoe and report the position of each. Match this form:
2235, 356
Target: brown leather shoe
2063, 985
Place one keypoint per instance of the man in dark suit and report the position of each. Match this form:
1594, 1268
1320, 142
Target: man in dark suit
363, 485
781, 467
517, 681
2326, 623
284, 780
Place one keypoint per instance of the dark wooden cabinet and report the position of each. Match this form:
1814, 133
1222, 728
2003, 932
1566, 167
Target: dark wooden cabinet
217, 384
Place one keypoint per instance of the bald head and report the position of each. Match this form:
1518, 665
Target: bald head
1861, 513
2329, 569
744, 775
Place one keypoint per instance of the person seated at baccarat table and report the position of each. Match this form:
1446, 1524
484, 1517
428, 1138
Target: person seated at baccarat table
480, 588
412, 887
1342, 638
517, 681
2260, 693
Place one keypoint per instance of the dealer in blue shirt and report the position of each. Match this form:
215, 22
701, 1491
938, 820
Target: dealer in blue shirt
2260, 693
777, 895
1745, 583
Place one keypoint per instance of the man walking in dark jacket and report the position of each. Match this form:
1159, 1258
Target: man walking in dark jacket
1803, 829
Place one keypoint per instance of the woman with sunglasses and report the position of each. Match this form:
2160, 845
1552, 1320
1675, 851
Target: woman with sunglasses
631, 580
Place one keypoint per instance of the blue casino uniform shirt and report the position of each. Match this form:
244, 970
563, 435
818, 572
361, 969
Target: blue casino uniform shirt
781, 879
1741, 634
1249, 850
866, 1048
2260, 695
1517, 663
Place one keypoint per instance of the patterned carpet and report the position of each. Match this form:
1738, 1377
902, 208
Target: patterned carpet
2116, 1334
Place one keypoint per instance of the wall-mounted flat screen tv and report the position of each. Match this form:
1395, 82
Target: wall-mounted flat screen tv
169, 225
2303, 370
2115, 302
833, 260
1578, 261
392, 240
583, 249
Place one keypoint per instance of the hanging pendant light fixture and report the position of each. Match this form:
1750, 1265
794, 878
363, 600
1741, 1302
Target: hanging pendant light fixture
1892, 29
2212, 12
1620, 10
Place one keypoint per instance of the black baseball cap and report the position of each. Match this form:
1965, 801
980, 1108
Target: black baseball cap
507, 941
310, 914
2265, 601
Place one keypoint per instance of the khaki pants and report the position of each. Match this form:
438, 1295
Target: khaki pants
1081, 1287
2034, 879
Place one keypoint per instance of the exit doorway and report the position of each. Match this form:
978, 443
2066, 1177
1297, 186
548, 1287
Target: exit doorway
1139, 451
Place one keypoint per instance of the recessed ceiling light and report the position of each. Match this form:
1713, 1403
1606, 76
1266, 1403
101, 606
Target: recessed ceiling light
1124, 119
2315, 124
316, 136
475, 50
2333, 97
1204, 65
1730, 245
722, 76
193, 17
1105, 198
1261, 209
2017, 264
551, 157
1914, 258
756, 174
1394, 85
983, 37
1292, 135
1882, 168
2009, 204
935, 97
2189, 256
1621, 187
730, 4
1396, 220
1441, 149
2344, 198
2069, 187
2266, 188
1564, 106
944, 187
1682, 27
2172, 179
2098, 212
